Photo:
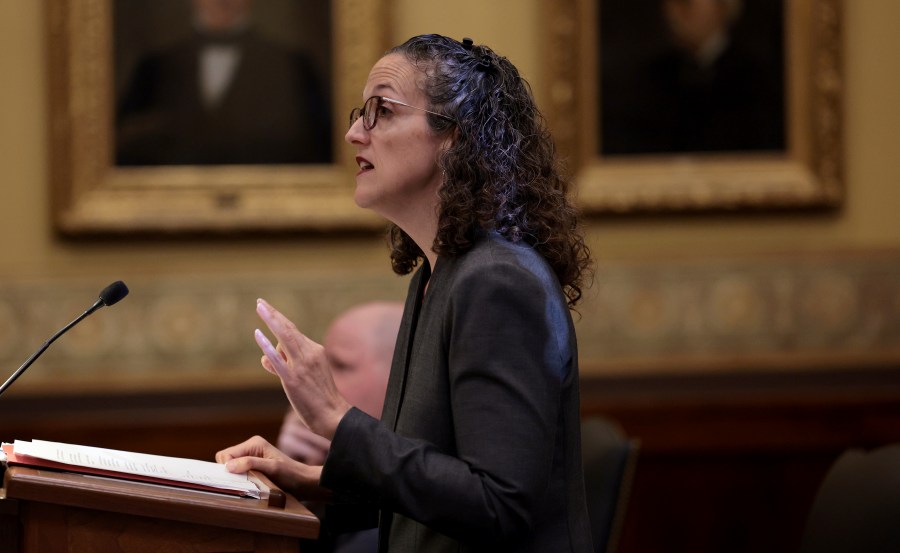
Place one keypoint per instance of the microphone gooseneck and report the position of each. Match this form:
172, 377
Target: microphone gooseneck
109, 296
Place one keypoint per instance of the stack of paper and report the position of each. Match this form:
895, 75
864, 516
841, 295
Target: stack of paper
158, 469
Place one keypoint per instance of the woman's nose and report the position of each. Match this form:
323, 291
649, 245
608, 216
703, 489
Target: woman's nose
356, 133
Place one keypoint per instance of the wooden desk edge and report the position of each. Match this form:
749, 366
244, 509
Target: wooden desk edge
108, 494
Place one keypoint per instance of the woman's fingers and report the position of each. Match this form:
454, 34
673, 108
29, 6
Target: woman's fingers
291, 342
272, 360
241, 465
255, 446
255, 454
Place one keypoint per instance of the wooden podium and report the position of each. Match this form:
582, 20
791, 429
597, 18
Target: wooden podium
59, 512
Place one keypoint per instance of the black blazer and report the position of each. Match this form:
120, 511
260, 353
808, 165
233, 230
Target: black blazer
478, 448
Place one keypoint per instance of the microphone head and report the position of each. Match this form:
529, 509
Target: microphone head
113, 293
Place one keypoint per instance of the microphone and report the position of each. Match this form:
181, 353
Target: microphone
108, 296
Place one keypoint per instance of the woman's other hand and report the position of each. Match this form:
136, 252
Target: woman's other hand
257, 454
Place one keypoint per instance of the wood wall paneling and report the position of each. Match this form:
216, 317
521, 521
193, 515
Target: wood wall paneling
727, 462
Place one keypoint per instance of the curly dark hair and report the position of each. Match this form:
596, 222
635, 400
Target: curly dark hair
501, 172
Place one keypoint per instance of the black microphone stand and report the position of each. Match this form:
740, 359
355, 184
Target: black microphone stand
99, 303
108, 296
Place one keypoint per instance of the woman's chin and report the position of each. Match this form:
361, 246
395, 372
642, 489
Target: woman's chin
362, 199
367, 199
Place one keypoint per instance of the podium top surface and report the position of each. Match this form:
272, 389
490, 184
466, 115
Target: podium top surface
158, 501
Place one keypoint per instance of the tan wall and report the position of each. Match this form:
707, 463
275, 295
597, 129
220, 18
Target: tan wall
867, 222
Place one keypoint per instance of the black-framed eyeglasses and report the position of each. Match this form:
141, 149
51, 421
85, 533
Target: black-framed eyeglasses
369, 111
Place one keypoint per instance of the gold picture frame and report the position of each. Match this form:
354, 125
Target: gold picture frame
94, 196
808, 173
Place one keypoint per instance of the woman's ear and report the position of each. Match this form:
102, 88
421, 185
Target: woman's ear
451, 138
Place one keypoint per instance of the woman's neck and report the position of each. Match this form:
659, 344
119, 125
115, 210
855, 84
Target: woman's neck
421, 226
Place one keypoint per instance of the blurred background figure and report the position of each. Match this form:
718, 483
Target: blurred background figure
713, 83
225, 95
359, 345
700, 28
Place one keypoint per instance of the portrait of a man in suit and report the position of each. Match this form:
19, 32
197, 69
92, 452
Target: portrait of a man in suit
218, 89
683, 76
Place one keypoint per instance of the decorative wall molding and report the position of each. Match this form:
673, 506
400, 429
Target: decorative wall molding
173, 330
816, 311
663, 317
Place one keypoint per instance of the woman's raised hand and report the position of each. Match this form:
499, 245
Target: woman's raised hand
303, 369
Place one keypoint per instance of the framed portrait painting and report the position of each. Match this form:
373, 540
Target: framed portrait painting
196, 116
697, 105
